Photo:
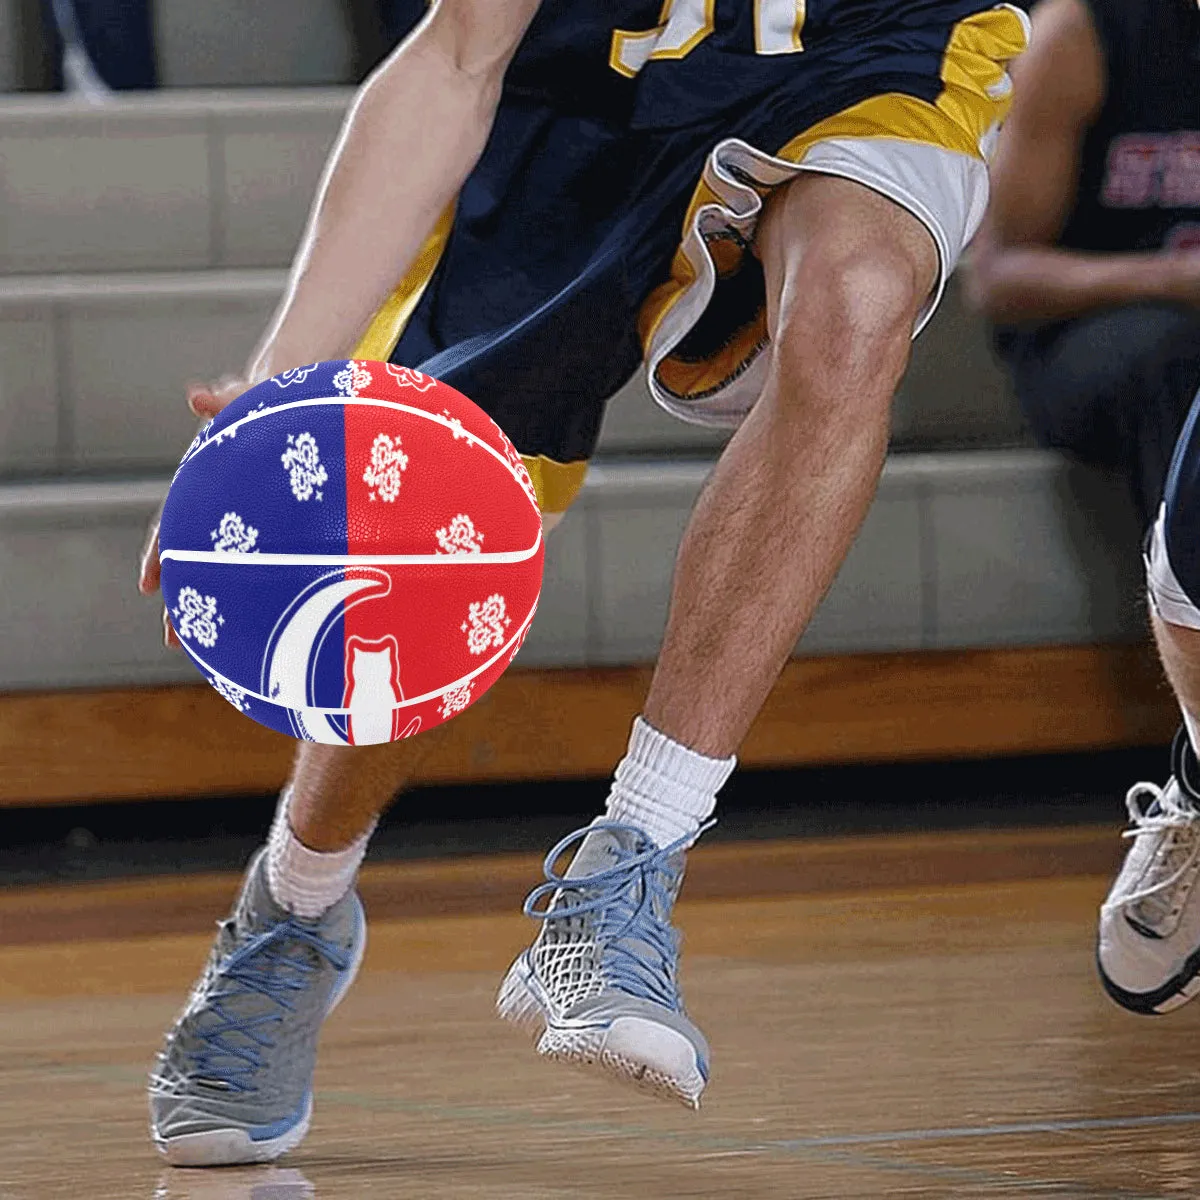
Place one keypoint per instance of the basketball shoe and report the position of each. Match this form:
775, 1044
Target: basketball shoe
1149, 944
600, 980
233, 1081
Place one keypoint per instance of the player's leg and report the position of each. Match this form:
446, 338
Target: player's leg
330, 806
282, 960
233, 1082
1149, 939
847, 272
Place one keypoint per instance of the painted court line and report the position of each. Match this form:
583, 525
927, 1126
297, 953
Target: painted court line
727, 1142
1067, 1125
834, 1149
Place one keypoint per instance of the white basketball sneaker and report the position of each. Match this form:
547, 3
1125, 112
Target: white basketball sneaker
600, 982
1149, 944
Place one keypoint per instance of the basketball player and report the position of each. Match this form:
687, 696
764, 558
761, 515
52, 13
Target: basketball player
1090, 244
765, 199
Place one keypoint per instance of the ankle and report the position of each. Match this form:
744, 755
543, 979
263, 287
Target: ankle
664, 788
321, 831
307, 881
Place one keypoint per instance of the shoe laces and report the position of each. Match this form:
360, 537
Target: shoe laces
276, 964
629, 905
1167, 814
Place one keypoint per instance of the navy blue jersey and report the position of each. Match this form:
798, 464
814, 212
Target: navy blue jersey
1139, 185
1139, 171
575, 247
753, 51
563, 60
715, 57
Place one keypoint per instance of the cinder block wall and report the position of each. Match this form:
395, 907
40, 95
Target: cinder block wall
145, 242
240, 43
226, 43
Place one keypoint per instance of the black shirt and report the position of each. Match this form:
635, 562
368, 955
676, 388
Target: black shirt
1139, 182
1139, 187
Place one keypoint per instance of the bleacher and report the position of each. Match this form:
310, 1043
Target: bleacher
144, 243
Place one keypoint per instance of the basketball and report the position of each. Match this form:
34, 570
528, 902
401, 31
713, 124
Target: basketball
351, 552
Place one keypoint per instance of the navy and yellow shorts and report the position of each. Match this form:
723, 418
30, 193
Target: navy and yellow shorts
611, 216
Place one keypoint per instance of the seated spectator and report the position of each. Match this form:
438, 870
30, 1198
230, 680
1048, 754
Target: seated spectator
1089, 259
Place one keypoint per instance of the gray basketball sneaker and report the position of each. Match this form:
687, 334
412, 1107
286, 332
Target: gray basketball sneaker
1148, 950
233, 1081
600, 981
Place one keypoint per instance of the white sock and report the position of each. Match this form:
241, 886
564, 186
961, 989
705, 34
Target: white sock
303, 881
663, 788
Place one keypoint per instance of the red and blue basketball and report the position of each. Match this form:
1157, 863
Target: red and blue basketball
351, 552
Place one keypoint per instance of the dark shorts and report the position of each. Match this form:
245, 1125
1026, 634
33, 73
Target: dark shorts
1118, 389
585, 242
1112, 389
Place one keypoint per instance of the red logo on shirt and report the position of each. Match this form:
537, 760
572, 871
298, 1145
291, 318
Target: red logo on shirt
1146, 170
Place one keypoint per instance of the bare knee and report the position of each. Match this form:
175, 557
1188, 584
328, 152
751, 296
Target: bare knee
845, 319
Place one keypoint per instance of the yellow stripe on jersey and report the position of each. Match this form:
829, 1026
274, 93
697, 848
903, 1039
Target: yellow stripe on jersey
778, 26
556, 484
975, 98
388, 323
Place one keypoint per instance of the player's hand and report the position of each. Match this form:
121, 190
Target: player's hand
205, 401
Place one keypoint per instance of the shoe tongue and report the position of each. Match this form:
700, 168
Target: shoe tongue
257, 909
1153, 910
600, 851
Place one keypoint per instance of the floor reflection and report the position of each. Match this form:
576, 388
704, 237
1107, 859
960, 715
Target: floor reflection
235, 1183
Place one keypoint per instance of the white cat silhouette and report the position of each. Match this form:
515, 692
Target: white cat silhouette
372, 689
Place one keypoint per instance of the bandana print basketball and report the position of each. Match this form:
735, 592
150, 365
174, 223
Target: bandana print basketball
351, 552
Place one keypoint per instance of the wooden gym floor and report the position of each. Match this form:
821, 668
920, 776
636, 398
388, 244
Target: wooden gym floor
890, 1016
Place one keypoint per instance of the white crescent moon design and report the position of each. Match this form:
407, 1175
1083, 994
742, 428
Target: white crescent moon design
292, 649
